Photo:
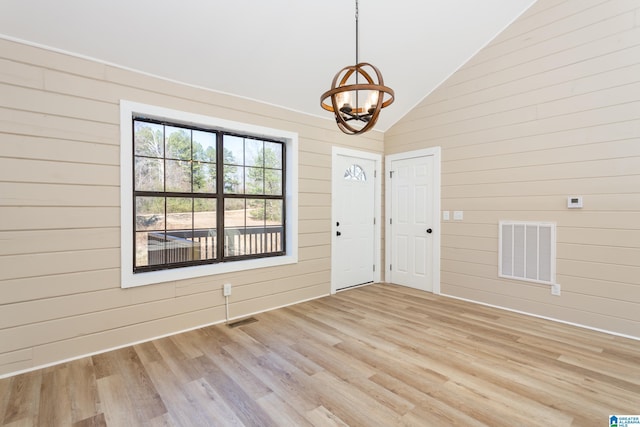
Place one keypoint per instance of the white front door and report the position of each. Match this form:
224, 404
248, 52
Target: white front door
353, 228
412, 222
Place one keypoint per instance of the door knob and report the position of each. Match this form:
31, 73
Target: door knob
429, 230
338, 233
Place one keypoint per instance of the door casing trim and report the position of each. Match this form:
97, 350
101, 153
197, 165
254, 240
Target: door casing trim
436, 153
377, 204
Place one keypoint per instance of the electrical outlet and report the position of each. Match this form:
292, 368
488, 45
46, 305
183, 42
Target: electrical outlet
226, 289
555, 289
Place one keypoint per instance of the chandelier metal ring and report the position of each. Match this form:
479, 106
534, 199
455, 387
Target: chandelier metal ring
385, 96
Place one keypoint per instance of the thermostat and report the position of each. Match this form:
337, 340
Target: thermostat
574, 202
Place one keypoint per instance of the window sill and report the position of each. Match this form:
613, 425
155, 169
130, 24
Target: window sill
132, 280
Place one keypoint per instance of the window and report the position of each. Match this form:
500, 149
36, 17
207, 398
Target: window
355, 173
206, 196
186, 196
527, 251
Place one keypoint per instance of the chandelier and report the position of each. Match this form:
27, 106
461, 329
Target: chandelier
357, 95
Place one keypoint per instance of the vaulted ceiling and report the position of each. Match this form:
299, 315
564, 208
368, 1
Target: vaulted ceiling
281, 52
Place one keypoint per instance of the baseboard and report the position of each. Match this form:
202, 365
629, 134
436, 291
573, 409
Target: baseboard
591, 328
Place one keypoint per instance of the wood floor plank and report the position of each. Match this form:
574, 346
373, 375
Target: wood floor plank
55, 401
5, 392
396, 365
353, 406
118, 408
95, 421
147, 352
281, 377
187, 346
284, 330
321, 417
244, 407
83, 391
180, 409
370, 356
221, 361
137, 384
209, 405
282, 412
433, 412
381, 395
343, 365
164, 420
24, 398
104, 365
171, 353
308, 326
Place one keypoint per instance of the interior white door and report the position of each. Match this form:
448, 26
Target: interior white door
354, 228
412, 222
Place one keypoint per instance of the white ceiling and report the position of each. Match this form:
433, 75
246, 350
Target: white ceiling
282, 52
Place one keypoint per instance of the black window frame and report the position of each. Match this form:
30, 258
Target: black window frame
219, 195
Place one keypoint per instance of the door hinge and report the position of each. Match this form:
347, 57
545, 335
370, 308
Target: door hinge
390, 267
390, 220
374, 267
374, 221
375, 173
390, 174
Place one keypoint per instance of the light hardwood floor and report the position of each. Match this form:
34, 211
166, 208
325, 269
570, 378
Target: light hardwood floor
379, 355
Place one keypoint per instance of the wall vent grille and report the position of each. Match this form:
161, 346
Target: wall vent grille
527, 251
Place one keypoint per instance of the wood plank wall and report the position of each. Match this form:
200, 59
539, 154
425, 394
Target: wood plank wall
549, 109
60, 294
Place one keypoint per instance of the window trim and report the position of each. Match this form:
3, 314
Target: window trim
128, 279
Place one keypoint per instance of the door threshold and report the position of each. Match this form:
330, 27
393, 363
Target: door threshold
346, 288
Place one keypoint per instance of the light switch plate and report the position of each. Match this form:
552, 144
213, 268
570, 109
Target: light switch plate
445, 215
458, 215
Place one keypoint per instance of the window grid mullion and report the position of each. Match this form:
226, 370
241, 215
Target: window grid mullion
220, 196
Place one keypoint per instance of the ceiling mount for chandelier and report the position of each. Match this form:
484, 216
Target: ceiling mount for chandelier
357, 95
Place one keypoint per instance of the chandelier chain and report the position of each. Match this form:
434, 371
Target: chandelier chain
357, 44
357, 48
